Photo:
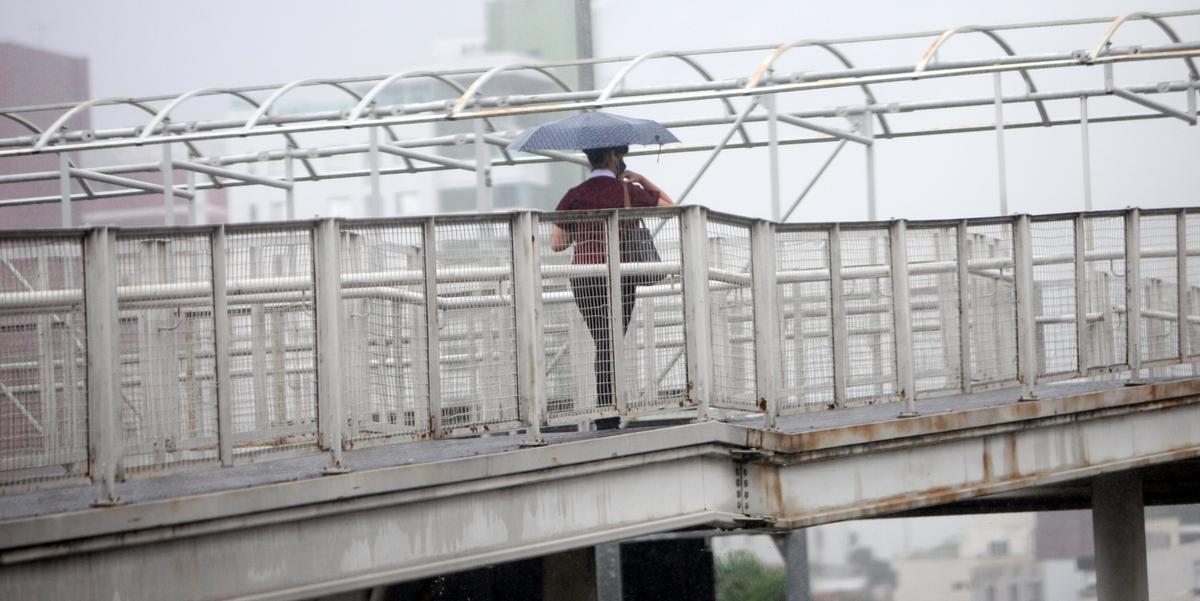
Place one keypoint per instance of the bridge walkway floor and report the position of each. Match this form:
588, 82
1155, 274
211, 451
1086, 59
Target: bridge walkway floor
157, 488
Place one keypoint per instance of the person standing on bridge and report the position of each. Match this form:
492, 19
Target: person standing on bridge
610, 186
605, 139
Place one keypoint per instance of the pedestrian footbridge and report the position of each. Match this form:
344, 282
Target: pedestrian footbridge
296, 409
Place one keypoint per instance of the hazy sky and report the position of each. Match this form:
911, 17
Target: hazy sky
139, 48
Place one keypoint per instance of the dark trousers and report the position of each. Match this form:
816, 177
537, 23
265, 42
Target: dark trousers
591, 296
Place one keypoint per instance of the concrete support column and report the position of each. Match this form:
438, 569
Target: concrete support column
1119, 526
794, 548
608, 572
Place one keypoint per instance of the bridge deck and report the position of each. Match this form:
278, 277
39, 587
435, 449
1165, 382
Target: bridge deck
76, 498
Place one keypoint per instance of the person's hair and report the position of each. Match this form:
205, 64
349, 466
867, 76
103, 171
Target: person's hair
597, 156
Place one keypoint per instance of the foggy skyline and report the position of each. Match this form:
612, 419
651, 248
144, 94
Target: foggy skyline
136, 51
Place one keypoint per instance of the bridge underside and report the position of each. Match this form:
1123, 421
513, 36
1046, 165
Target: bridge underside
278, 531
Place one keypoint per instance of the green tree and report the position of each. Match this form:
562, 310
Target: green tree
741, 577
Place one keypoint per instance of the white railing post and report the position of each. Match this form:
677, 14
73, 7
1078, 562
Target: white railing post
1082, 333
327, 251
616, 330
168, 172
375, 201
1001, 171
64, 188
1133, 294
697, 319
768, 101
289, 176
767, 366
1181, 286
221, 333
433, 345
103, 361
1027, 351
527, 301
837, 309
902, 318
963, 256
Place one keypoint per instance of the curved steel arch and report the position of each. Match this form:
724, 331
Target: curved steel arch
783, 48
1119, 21
949, 33
476, 85
619, 79
75, 110
31, 126
266, 105
362, 105
356, 113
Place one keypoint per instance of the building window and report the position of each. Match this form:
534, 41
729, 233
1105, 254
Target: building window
998, 548
1033, 591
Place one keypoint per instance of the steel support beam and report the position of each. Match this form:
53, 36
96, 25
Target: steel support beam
64, 189
906, 384
231, 174
1001, 171
527, 301
616, 329
773, 155
1169, 111
767, 364
433, 345
1133, 294
330, 414
1027, 350
103, 361
221, 338
697, 314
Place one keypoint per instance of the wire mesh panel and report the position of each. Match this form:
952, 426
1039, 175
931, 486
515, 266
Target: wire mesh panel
1054, 295
731, 301
1192, 237
273, 336
870, 331
168, 370
384, 342
806, 349
577, 364
477, 323
655, 374
933, 298
43, 351
1159, 278
993, 312
1104, 244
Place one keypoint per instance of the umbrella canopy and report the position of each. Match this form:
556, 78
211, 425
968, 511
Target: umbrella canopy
592, 130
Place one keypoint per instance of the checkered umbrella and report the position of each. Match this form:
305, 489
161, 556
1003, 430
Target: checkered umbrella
592, 130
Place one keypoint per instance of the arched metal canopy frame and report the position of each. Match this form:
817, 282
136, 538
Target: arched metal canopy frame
1121, 20
618, 80
756, 79
163, 114
1000, 41
58, 124
366, 100
31, 126
264, 109
473, 90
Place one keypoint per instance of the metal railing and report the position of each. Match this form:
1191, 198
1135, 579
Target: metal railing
142, 351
